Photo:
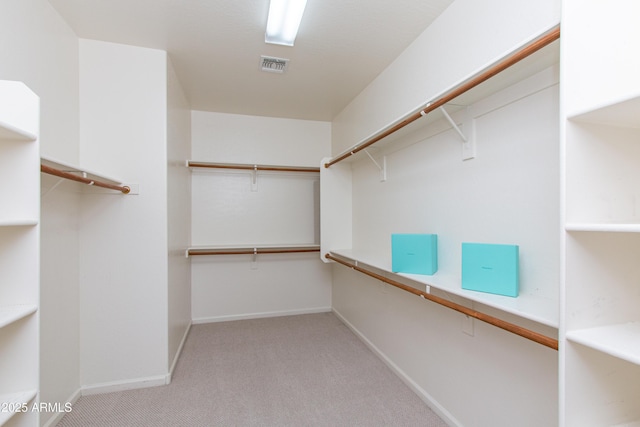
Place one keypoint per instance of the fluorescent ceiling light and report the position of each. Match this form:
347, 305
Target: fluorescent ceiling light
284, 20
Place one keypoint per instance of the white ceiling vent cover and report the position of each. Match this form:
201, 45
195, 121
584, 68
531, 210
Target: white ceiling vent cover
273, 65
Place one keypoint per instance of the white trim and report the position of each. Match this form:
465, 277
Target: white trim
446, 416
55, 419
131, 384
178, 353
260, 315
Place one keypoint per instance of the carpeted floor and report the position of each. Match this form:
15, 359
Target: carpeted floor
307, 370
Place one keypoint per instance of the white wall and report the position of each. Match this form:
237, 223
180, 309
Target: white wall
508, 194
37, 47
179, 214
283, 210
123, 239
465, 39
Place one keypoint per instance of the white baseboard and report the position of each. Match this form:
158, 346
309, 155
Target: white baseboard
215, 319
55, 419
125, 385
178, 353
426, 397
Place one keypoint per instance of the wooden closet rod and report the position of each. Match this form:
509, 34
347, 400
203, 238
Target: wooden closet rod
253, 251
512, 59
515, 329
252, 167
67, 175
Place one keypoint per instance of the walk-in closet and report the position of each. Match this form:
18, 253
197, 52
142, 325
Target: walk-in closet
199, 222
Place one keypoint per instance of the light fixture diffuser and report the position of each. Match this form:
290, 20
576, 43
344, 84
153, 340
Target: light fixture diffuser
284, 21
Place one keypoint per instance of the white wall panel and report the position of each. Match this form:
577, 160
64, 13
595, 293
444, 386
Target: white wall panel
282, 210
178, 213
123, 239
233, 287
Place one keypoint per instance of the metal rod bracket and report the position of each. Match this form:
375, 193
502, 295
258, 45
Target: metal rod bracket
382, 169
254, 178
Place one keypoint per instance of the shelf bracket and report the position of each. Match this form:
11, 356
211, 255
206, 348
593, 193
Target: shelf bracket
468, 140
453, 124
382, 169
254, 178
53, 187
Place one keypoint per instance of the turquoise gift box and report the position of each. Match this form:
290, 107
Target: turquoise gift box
414, 253
491, 268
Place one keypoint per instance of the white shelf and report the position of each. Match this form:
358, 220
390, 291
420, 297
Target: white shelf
621, 341
631, 424
193, 164
15, 399
19, 219
603, 227
80, 171
13, 313
540, 310
10, 132
18, 222
622, 113
250, 249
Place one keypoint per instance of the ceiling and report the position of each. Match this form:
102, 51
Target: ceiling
215, 47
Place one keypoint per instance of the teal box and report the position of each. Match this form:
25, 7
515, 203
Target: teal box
414, 253
491, 268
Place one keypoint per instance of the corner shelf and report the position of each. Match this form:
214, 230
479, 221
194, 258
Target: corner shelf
603, 227
600, 365
621, 341
540, 310
19, 248
618, 113
15, 399
14, 133
13, 313
18, 222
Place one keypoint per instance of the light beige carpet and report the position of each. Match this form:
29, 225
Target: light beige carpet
306, 370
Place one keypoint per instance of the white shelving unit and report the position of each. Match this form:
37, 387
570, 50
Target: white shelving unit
600, 319
19, 251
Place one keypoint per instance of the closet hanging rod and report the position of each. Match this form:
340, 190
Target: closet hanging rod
253, 250
502, 324
67, 175
251, 167
512, 59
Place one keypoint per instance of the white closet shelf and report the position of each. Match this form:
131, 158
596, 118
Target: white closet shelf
18, 222
15, 399
251, 167
250, 250
10, 132
623, 113
12, 313
621, 341
538, 309
603, 227
631, 424
81, 171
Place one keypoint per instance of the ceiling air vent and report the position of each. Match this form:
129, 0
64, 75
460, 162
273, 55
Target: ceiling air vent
273, 65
